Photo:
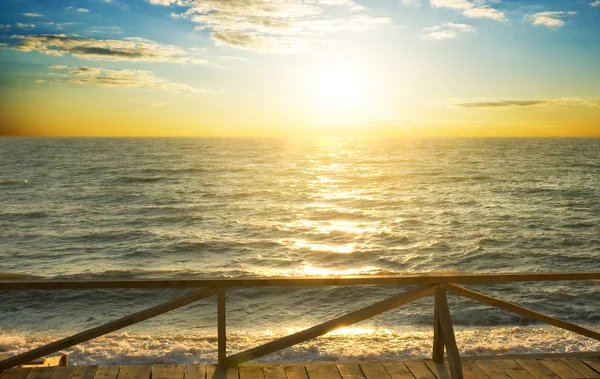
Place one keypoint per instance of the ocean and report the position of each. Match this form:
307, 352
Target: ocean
234, 207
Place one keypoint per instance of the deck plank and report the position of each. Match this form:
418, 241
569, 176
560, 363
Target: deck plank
398, 370
194, 371
440, 370
560, 368
41, 373
84, 372
513, 369
350, 371
213, 372
167, 372
374, 370
16, 373
594, 363
420, 370
322, 371
107, 372
492, 370
63, 372
296, 372
252, 372
536, 369
580, 367
134, 372
274, 372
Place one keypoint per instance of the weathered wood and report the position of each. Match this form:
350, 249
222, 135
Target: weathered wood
350, 371
63, 372
536, 369
194, 371
168, 371
84, 372
274, 372
560, 368
41, 373
326, 327
323, 372
251, 373
296, 372
523, 311
420, 370
398, 370
106, 328
580, 367
448, 334
438, 338
107, 372
213, 372
594, 363
221, 328
349, 280
16, 373
374, 370
134, 372
440, 370
513, 369
492, 370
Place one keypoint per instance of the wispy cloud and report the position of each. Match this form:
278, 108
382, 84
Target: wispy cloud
82, 10
595, 3
529, 103
271, 25
447, 30
471, 9
252, 41
4, 26
103, 77
549, 19
27, 14
25, 26
128, 49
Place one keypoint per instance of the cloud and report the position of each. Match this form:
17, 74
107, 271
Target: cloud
471, 9
447, 30
549, 19
103, 77
27, 14
4, 26
25, 26
58, 67
278, 26
39, 81
595, 3
82, 10
565, 101
485, 12
252, 41
412, 2
128, 49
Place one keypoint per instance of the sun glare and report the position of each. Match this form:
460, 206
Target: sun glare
339, 87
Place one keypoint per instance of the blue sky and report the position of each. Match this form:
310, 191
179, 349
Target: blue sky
304, 62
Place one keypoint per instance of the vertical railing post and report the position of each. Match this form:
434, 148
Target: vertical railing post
438, 338
221, 326
447, 333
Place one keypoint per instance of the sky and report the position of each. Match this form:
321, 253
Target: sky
300, 68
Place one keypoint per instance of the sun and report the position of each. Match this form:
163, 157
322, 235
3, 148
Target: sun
339, 87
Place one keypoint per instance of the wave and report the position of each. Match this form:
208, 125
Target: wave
348, 344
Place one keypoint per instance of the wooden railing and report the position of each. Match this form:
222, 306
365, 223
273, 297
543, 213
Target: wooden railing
427, 284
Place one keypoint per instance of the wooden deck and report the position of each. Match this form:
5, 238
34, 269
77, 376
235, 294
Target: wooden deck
569, 366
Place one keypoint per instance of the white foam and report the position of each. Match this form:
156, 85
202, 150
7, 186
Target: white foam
351, 344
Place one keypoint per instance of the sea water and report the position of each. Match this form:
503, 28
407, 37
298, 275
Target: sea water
174, 208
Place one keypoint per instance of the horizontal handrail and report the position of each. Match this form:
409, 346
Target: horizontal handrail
404, 279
